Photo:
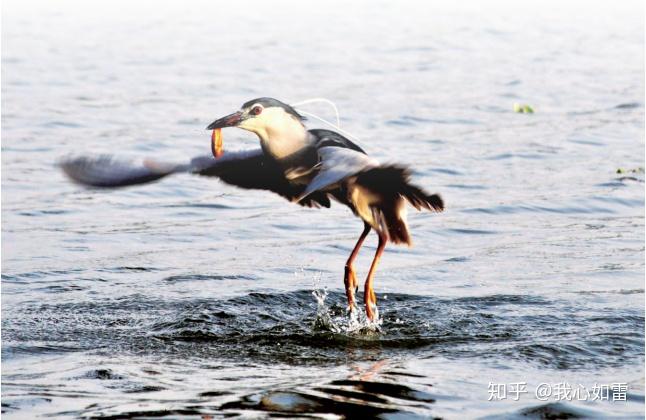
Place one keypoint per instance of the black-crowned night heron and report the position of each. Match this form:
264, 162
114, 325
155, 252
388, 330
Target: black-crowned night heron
308, 167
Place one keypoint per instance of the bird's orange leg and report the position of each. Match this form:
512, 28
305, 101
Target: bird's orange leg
369, 297
350, 278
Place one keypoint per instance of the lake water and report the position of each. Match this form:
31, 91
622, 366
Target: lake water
189, 297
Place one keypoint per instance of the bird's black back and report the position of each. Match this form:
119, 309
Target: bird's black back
329, 138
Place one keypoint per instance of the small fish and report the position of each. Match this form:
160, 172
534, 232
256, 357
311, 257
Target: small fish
216, 143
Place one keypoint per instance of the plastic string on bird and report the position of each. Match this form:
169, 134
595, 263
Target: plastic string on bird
323, 120
324, 100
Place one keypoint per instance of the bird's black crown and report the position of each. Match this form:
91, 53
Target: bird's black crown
269, 102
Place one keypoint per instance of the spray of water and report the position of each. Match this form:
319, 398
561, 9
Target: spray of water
353, 322
335, 317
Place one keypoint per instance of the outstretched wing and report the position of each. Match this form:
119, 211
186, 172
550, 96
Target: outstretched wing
107, 172
337, 164
254, 170
246, 169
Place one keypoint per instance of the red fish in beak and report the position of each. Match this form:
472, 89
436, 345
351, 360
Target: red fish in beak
216, 143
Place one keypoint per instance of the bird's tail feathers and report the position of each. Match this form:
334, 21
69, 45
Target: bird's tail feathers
419, 199
393, 181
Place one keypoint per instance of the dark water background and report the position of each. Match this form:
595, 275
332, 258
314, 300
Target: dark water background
190, 297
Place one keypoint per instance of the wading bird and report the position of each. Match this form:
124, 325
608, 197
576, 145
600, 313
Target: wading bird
308, 167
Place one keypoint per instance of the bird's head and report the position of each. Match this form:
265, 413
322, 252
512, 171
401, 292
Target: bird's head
266, 117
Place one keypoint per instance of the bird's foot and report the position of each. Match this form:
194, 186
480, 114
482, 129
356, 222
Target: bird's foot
370, 300
372, 313
350, 280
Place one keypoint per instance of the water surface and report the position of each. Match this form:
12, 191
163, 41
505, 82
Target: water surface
189, 297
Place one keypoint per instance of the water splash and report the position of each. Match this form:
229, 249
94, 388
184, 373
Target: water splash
353, 322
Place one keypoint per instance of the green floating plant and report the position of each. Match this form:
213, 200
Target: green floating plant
523, 108
639, 170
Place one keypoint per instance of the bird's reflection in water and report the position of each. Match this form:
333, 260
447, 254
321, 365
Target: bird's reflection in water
361, 394
367, 374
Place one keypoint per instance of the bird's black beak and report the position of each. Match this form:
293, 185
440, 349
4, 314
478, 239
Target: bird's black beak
229, 121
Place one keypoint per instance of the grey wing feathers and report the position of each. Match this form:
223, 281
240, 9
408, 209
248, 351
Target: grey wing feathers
106, 171
337, 164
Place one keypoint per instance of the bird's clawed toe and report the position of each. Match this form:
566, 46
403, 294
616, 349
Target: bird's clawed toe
351, 286
370, 301
369, 296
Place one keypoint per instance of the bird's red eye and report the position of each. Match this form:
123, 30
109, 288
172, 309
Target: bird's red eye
256, 110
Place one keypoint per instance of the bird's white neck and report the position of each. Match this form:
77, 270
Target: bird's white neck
283, 137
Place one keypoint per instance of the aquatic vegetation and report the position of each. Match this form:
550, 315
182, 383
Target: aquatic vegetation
523, 108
